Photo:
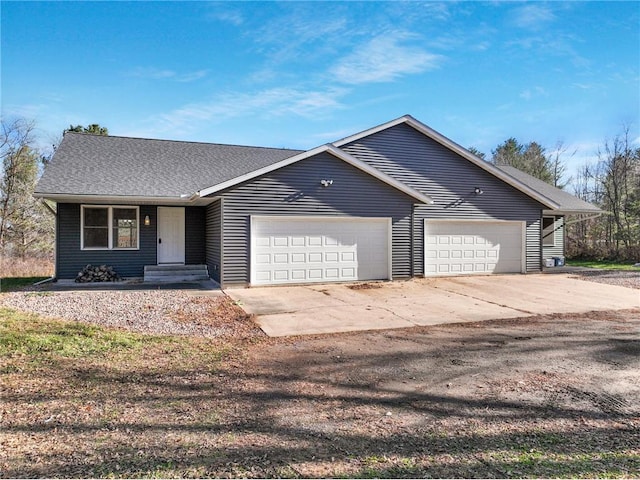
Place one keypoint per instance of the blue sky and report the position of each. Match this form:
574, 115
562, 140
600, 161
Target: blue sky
302, 74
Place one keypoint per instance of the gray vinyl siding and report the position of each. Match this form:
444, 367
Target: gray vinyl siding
450, 180
296, 191
127, 263
194, 231
558, 249
213, 234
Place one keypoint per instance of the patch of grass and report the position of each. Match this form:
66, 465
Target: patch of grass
12, 284
28, 334
603, 264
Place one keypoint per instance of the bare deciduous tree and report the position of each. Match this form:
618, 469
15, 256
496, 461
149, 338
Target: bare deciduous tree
25, 227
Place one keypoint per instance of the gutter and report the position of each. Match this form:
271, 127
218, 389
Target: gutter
49, 207
190, 198
583, 219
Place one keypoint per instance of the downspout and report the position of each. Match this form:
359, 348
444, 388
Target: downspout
411, 241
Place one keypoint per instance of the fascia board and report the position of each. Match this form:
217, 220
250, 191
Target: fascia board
570, 211
370, 131
122, 199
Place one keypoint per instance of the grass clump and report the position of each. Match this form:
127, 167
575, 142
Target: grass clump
603, 265
14, 284
28, 334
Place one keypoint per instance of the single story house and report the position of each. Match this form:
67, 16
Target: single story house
395, 201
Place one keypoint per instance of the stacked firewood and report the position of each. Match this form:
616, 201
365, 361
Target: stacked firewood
103, 273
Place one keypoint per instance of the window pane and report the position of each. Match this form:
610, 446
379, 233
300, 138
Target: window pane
95, 237
96, 217
125, 228
124, 213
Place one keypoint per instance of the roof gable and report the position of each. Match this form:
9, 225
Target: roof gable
456, 148
340, 154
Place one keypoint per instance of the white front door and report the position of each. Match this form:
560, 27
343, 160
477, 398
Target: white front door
170, 235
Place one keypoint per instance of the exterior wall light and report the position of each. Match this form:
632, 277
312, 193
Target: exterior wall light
478, 191
147, 221
326, 183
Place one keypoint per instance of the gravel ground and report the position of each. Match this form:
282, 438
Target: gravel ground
621, 278
164, 312
174, 312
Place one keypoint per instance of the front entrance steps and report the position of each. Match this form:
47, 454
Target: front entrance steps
175, 273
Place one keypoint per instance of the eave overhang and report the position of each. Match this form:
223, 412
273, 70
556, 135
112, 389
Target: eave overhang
193, 199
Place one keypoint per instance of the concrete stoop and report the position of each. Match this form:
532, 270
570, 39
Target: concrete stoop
175, 273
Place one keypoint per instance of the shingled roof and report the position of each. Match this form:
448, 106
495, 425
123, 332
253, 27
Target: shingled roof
567, 202
86, 164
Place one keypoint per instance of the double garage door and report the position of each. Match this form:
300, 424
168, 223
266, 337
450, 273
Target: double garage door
306, 250
473, 247
312, 249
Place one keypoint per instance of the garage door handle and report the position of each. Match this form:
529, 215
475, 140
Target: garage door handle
159, 240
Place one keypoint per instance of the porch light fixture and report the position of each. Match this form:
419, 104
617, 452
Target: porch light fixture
326, 183
147, 221
478, 191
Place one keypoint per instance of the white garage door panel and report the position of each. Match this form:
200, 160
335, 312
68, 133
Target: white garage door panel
464, 247
302, 250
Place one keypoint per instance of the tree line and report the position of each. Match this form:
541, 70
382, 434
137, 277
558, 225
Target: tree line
612, 183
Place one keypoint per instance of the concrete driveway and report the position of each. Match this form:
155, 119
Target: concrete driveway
327, 308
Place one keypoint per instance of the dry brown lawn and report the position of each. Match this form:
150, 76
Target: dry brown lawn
539, 397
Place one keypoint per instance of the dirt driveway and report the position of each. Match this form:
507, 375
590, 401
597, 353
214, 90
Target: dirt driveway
509, 393
314, 309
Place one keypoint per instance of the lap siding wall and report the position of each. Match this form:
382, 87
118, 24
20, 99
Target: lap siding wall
70, 259
214, 239
420, 162
296, 191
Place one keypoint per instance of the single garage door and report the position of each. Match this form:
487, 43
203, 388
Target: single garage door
468, 247
304, 250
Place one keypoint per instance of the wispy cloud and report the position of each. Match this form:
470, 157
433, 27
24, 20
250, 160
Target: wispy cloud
533, 16
384, 59
266, 103
334, 135
557, 44
302, 34
534, 92
165, 74
222, 12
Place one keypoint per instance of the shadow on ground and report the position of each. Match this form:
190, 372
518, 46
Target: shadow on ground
542, 397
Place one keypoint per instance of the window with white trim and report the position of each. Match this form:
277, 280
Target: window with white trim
548, 231
109, 227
